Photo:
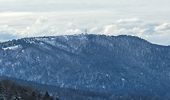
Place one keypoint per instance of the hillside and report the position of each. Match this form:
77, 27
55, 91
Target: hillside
114, 64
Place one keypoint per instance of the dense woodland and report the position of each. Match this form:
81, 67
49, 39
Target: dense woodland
13, 91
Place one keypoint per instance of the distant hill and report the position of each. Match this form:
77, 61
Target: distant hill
116, 64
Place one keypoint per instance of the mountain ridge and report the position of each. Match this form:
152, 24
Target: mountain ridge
80, 35
118, 64
41, 37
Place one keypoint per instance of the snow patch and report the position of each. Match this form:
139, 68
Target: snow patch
12, 47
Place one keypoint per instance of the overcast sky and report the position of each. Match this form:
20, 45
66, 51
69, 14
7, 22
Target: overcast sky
148, 19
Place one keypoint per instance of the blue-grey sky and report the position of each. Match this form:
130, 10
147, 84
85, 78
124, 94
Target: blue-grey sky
148, 19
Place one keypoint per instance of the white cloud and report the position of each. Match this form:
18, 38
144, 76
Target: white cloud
37, 28
163, 27
7, 33
110, 29
73, 31
18, 25
128, 20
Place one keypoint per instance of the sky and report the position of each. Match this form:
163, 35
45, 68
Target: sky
148, 19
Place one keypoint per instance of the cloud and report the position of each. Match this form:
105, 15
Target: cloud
7, 36
37, 28
7, 33
73, 31
163, 27
136, 27
44, 24
110, 29
128, 20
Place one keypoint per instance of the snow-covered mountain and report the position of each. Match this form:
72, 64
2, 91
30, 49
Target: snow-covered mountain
89, 62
